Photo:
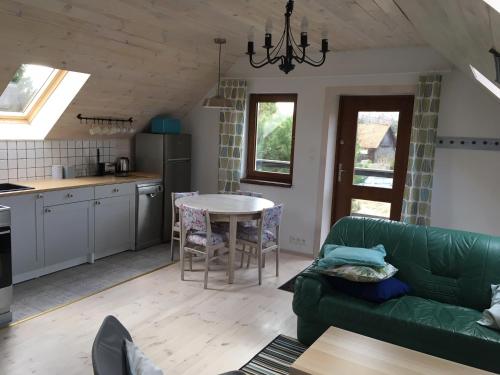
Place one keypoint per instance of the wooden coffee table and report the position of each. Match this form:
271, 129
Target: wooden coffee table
342, 352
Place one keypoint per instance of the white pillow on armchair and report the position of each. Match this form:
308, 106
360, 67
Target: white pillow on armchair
138, 363
491, 316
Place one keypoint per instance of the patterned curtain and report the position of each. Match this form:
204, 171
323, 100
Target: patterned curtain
231, 135
418, 185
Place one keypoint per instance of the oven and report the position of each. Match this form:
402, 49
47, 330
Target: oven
5, 266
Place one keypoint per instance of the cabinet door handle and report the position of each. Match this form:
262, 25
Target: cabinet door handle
116, 190
69, 195
48, 210
97, 203
39, 196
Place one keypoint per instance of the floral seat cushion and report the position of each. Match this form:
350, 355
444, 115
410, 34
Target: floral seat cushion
251, 234
200, 238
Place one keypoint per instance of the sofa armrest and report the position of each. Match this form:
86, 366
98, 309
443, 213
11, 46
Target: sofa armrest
308, 289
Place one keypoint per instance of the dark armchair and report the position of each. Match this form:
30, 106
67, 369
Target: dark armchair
108, 355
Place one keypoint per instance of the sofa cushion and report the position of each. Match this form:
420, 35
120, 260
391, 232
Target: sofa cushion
336, 255
374, 292
362, 274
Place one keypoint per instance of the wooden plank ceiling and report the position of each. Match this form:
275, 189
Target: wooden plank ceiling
157, 57
463, 31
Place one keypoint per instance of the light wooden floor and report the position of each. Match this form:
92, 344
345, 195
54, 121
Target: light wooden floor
181, 327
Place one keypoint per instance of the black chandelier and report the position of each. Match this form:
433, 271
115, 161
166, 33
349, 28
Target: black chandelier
293, 50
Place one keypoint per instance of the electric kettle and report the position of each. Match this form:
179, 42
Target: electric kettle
122, 167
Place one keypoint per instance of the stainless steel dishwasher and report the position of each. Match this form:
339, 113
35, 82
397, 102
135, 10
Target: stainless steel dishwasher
149, 215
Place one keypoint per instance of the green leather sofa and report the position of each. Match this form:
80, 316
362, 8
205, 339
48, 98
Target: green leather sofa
450, 273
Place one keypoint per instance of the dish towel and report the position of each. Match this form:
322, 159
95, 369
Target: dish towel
491, 316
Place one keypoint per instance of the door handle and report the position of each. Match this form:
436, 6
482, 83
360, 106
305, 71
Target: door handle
341, 171
5, 232
48, 210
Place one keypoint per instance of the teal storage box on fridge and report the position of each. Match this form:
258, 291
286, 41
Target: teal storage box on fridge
165, 125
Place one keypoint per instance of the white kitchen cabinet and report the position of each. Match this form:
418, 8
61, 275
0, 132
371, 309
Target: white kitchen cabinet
114, 225
68, 232
27, 248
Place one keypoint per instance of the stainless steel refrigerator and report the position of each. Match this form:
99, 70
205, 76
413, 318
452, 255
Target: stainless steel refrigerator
170, 156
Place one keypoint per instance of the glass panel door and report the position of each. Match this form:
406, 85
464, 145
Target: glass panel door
372, 154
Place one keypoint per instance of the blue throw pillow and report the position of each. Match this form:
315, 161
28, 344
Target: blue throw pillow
373, 292
336, 255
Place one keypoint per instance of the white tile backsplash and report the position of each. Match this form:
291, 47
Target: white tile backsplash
34, 159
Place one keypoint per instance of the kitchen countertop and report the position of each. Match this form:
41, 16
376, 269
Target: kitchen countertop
71, 183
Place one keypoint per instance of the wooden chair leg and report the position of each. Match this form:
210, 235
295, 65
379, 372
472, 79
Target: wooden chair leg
250, 254
259, 261
172, 246
206, 269
264, 261
277, 261
242, 256
191, 262
181, 256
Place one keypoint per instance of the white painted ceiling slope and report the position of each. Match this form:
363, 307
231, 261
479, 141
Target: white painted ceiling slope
463, 31
157, 57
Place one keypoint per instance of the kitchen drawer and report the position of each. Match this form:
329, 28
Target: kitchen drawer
52, 198
115, 190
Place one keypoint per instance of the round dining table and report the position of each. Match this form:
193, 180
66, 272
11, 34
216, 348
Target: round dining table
230, 208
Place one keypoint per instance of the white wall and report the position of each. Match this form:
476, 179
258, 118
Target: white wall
307, 203
466, 192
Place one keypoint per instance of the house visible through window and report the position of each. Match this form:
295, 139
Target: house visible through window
28, 89
271, 129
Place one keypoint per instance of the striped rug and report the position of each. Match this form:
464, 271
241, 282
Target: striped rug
276, 357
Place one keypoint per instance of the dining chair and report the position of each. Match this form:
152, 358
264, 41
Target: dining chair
263, 238
249, 193
176, 226
198, 238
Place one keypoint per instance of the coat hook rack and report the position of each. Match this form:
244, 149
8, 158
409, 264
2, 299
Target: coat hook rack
103, 120
469, 143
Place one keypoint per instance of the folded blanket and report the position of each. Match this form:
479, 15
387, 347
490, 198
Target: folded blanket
491, 316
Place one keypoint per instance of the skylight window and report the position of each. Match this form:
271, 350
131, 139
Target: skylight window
494, 89
34, 100
27, 91
495, 4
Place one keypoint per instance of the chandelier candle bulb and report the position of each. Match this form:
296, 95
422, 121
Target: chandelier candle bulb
269, 26
251, 34
304, 25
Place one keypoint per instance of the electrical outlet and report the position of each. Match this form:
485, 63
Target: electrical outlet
300, 242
